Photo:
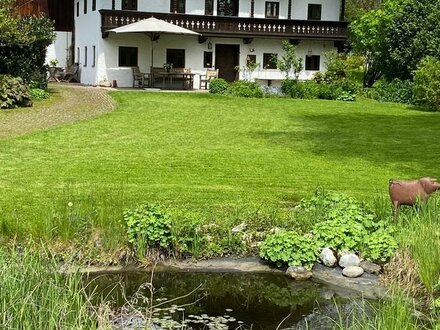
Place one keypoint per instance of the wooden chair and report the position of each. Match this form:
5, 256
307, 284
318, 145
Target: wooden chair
140, 79
71, 74
205, 79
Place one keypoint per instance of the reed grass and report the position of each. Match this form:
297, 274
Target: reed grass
34, 295
395, 313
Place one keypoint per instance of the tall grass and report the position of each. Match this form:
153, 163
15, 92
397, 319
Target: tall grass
420, 233
34, 295
391, 314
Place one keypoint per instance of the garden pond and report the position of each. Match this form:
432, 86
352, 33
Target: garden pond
219, 300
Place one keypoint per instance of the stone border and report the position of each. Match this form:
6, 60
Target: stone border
368, 286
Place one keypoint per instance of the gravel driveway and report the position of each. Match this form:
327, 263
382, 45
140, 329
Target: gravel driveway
68, 104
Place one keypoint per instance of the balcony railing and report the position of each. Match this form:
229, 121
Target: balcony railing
232, 26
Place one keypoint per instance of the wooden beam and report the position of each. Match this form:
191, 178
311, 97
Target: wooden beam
342, 14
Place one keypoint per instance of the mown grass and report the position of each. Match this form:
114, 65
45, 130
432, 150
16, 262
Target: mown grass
217, 157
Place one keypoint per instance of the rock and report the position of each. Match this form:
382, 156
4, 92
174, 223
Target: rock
240, 228
368, 285
370, 267
352, 271
349, 260
327, 257
299, 273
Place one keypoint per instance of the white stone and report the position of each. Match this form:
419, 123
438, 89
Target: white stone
299, 273
352, 271
348, 260
240, 228
327, 257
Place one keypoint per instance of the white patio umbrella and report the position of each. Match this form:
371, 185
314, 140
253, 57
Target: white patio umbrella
153, 27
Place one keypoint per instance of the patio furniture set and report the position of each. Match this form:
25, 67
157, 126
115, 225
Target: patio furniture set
180, 78
70, 74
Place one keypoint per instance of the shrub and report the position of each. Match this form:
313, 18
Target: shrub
148, 226
39, 79
343, 90
309, 90
427, 83
13, 92
289, 248
399, 91
288, 87
341, 234
380, 245
218, 86
23, 48
244, 88
38, 94
346, 96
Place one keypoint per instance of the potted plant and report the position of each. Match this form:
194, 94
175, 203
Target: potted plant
168, 67
53, 63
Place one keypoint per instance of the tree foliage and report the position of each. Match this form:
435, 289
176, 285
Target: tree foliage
396, 37
427, 83
23, 43
289, 63
356, 8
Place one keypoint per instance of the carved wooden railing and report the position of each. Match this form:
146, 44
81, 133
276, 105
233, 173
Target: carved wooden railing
232, 26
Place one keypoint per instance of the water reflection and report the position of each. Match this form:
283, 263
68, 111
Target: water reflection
257, 301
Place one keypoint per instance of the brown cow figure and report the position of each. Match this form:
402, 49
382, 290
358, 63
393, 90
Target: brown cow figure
408, 192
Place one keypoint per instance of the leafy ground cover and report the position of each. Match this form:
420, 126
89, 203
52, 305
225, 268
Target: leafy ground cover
218, 158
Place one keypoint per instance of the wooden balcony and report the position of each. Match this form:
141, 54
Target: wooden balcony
242, 27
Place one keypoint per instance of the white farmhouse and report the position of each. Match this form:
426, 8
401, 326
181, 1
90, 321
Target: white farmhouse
231, 32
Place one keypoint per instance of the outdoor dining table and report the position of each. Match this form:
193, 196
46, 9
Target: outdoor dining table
186, 78
55, 73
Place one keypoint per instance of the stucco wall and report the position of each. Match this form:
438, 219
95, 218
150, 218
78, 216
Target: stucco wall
58, 50
330, 8
88, 33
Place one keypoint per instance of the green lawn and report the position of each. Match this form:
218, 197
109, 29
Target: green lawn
205, 152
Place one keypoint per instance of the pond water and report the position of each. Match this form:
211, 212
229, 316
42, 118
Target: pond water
222, 300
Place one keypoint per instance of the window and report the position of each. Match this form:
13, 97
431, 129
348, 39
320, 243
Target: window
272, 9
129, 5
227, 7
209, 7
176, 57
128, 56
251, 59
77, 9
177, 6
314, 12
85, 56
85, 6
93, 56
93, 5
270, 60
207, 59
312, 62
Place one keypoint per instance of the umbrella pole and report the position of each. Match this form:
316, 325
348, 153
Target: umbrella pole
152, 60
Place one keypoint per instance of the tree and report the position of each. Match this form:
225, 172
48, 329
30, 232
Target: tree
23, 44
356, 8
289, 63
427, 83
395, 38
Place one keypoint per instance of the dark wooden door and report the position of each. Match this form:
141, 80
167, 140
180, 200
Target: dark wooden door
226, 59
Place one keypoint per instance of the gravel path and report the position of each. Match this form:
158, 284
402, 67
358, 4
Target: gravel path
68, 104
